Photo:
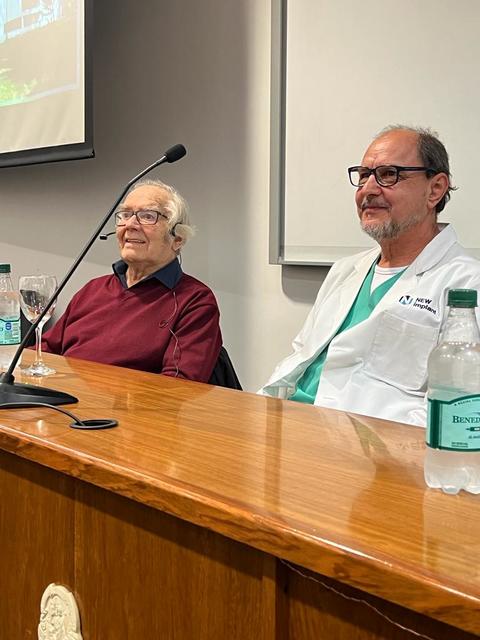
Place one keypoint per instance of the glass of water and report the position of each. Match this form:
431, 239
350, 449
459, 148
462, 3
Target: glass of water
35, 292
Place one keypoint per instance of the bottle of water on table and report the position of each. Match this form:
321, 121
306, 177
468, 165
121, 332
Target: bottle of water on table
10, 335
452, 457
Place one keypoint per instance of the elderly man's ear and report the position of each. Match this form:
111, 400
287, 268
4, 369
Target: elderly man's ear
177, 241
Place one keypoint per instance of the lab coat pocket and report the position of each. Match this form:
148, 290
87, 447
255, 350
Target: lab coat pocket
400, 351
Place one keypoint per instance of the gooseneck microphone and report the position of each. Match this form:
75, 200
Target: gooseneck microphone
171, 155
25, 394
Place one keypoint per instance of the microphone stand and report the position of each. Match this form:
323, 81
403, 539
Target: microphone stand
15, 392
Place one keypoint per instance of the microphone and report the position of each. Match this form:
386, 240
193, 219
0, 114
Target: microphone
24, 394
175, 153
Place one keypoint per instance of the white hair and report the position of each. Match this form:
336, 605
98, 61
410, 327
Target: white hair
176, 207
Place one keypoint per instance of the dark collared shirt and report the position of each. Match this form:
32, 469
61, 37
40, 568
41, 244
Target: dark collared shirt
168, 275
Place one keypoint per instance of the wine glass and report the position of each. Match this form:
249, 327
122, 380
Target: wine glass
35, 292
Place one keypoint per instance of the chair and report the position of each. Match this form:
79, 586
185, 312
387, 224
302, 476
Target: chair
223, 374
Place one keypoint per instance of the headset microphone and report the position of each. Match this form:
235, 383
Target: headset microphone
104, 236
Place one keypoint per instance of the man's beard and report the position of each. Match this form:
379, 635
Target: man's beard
389, 229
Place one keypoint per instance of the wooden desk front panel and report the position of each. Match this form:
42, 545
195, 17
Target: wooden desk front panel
143, 574
319, 608
36, 541
138, 573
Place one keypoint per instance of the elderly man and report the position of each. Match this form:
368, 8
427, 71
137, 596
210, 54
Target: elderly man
365, 344
148, 314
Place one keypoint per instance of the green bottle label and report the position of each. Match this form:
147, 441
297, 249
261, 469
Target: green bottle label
455, 424
9, 331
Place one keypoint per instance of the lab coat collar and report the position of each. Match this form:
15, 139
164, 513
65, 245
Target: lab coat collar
431, 255
435, 249
428, 258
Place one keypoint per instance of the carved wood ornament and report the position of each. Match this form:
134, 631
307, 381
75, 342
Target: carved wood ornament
59, 617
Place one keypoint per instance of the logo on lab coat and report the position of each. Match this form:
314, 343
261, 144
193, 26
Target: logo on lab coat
419, 303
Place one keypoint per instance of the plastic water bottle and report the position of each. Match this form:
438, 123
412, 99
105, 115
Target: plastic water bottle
9, 318
452, 457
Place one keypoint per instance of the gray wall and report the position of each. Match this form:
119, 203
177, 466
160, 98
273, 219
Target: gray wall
169, 71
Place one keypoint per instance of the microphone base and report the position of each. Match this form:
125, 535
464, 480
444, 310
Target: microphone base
25, 393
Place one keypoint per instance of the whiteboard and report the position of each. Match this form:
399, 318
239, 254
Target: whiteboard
341, 72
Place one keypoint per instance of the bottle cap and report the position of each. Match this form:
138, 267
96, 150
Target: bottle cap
466, 298
4, 268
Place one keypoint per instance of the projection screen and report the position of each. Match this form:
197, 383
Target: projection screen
45, 81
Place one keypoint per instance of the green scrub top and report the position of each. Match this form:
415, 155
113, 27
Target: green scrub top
364, 304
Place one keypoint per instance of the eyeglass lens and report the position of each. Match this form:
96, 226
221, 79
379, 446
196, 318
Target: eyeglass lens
143, 216
384, 175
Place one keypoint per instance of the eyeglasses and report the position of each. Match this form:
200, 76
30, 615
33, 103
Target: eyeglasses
144, 216
386, 175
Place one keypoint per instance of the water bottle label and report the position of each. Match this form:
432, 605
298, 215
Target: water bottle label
9, 331
454, 424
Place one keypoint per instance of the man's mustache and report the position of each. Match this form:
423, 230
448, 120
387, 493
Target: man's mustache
370, 201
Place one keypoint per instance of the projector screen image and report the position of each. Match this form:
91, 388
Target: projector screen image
44, 112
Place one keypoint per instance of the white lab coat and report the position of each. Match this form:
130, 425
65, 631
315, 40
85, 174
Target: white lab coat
379, 367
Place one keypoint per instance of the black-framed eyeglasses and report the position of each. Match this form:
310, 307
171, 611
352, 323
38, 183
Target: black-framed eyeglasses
144, 216
386, 175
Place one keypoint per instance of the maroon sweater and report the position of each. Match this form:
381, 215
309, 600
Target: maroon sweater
151, 326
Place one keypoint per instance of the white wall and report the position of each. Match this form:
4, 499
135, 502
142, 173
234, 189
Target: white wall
165, 72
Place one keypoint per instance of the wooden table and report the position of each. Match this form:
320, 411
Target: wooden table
217, 514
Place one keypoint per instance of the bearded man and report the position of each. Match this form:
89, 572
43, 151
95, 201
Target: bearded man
365, 344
